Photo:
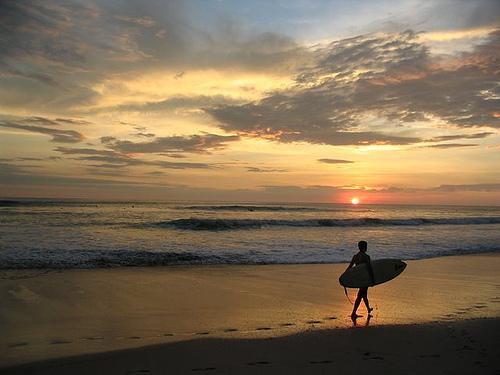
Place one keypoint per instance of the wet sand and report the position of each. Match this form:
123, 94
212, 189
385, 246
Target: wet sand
250, 319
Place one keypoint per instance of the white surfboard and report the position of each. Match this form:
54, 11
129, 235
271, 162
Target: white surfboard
383, 271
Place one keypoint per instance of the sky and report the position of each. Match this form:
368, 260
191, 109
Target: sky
272, 101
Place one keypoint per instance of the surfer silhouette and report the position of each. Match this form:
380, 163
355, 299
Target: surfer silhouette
360, 258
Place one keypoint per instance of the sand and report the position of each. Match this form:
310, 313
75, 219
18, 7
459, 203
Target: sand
440, 312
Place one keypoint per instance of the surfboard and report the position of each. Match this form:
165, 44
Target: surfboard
383, 271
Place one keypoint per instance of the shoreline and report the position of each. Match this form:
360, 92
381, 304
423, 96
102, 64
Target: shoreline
78, 312
44, 270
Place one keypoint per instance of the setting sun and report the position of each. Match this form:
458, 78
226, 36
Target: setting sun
355, 200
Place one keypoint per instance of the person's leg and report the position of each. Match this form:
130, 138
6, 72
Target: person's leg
356, 303
365, 300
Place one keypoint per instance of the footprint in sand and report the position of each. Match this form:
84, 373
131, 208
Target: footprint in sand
480, 305
134, 337
263, 328
204, 369
167, 334
429, 356
287, 324
257, 363
59, 342
228, 330
18, 344
313, 322
202, 333
92, 338
330, 318
367, 354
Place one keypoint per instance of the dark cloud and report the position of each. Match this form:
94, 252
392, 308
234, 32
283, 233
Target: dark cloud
54, 52
107, 172
58, 135
175, 156
201, 144
145, 135
451, 145
176, 103
389, 76
139, 21
335, 161
88, 151
8, 168
22, 159
72, 121
266, 170
12, 175
107, 140
460, 136
6, 69
112, 159
39, 120
470, 187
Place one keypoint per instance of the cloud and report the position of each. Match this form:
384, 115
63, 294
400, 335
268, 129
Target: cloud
113, 159
15, 176
200, 144
175, 103
55, 53
7, 69
58, 135
88, 151
139, 21
460, 136
390, 76
266, 170
145, 135
327, 190
155, 173
335, 161
39, 120
22, 159
470, 187
452, 145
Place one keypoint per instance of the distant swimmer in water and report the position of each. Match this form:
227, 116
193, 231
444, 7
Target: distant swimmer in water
360, 258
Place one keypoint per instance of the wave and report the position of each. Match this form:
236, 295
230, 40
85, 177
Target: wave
55, 260
107, 259
234, 224
252, 208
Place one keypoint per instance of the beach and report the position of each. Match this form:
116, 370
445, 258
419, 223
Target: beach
441, 313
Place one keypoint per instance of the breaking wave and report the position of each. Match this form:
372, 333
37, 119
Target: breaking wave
233, 224
58, 260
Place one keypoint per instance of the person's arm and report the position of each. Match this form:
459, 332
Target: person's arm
350, 264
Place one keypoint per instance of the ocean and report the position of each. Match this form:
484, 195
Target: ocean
77, 234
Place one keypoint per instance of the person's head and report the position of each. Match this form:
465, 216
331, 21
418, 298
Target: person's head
363, 246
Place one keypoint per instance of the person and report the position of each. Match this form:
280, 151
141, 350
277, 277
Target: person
360, 258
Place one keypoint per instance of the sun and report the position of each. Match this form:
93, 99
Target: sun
355, 200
